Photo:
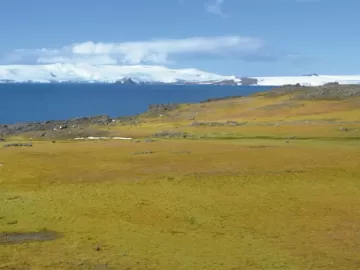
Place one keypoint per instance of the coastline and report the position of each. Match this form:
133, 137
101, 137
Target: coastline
95, 126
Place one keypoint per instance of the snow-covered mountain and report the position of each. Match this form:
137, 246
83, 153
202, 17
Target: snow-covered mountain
86, 73
103, 73
311, 80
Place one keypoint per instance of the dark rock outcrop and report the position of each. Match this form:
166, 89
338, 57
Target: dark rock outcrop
126, 80
330, 91
248, 81
18, 145
170, 134
226, 82
76, 127
221, 98
217, 124
236, 81
162, 108
311, 75
144, 153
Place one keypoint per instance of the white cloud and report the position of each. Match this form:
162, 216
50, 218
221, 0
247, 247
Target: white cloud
216, 7
153, 51
93, 60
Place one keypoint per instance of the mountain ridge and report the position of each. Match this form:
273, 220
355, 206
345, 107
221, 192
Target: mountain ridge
142, 74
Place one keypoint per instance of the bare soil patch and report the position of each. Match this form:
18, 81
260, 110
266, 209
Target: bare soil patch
24, 237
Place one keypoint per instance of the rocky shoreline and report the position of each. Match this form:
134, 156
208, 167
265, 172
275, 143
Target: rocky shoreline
89, 126
78, 127
74, 127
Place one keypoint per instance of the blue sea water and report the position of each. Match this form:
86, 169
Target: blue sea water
42, 102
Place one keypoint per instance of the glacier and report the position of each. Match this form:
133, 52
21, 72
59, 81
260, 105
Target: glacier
317, 80
86, 73
102, 73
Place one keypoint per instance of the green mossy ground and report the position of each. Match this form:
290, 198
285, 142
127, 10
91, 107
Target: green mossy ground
257, 201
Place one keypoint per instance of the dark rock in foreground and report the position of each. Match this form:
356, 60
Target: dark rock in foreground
170, 134
144, 153
18, 145
218, 124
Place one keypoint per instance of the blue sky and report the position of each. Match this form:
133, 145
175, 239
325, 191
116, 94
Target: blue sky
240, 37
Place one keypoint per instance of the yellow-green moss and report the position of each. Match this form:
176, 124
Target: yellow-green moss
240, 204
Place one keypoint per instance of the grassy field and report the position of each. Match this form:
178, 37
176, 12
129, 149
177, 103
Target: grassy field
256, 201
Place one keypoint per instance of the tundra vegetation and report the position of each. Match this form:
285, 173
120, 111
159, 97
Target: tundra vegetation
268, 181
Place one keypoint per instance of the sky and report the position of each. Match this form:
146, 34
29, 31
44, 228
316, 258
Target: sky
229, 37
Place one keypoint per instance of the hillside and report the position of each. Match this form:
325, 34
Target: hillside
327, 111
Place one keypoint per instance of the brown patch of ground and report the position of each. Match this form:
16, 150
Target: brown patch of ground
24, 237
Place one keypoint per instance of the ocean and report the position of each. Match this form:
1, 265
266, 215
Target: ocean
42, 102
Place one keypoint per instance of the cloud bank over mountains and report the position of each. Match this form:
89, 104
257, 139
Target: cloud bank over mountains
159, 51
